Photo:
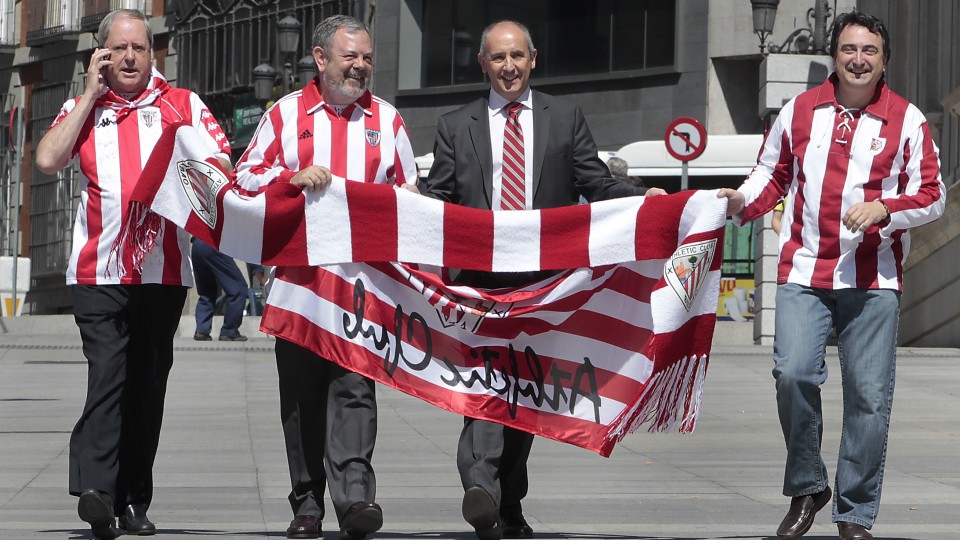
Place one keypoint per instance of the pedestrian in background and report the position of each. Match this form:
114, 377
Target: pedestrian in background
215, 271
127, 316
859, 168
620, 170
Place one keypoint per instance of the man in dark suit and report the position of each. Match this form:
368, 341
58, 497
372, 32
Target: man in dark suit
512, 150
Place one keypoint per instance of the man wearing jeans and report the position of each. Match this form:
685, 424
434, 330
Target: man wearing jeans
858, 167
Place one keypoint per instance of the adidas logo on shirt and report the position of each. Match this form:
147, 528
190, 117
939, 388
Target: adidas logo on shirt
305, 134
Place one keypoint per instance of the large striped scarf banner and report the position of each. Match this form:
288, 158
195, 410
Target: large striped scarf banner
619, 339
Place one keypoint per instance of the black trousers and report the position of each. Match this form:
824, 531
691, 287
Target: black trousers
127, 333
491, 455
329, 419
494, 457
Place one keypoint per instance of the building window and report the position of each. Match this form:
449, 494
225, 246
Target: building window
95, 10
52, 196
51, 20
572, 37
8, 18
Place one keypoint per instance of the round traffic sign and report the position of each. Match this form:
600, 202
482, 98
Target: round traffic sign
685, 138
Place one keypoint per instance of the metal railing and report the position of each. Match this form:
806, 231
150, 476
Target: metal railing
95, 10
218, 51
50, 20
52, 197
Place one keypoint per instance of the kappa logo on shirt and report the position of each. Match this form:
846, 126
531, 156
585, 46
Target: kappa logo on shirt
104, 122
305, 134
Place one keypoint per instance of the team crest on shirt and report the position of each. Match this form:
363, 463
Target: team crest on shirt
201, 182
687, 269
876, 145
373, 137
149, 117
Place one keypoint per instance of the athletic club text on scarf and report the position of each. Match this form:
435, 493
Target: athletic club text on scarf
620, 338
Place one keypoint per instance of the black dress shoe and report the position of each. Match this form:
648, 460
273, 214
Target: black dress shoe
514, 526
304, 527
95, 510
480, 511
802, 511
361, 519
237, 337
134, 521
200, 336
853, 531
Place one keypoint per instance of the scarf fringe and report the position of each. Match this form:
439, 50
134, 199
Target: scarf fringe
669, 392
138, 236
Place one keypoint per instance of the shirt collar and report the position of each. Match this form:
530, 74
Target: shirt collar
313, 101
879, 105
496, 102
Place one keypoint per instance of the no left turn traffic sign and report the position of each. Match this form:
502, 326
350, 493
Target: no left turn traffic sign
685, 138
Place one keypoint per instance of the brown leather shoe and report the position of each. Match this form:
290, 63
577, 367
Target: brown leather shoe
480, 511
802, 511
304, 527
361, 519
853, 531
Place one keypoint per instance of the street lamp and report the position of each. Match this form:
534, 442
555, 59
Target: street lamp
810, 40
764, 14
306, 70
288, 35
265, 75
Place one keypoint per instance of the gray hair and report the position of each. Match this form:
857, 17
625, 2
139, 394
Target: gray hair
104, 32
323, 33
486, 32
619, 168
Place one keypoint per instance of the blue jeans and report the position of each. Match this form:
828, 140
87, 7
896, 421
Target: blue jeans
866, 324
213, 270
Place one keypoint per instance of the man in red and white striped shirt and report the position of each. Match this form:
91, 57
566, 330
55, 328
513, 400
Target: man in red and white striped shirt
859, 168
333, 125
127, 316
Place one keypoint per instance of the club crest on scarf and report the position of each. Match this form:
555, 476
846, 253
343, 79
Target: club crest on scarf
687, 269
467, 313
201, 181
373, 137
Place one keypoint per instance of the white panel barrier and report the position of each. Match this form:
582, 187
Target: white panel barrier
10, 306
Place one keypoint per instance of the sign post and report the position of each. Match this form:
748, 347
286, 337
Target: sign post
685, 139
16, 143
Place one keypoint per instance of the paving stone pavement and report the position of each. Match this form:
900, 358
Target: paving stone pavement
221, 471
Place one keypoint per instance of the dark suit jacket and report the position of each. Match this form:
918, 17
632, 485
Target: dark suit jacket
565, 161
565, 165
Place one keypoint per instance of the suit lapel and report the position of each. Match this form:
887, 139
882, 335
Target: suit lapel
480, 136
541, 130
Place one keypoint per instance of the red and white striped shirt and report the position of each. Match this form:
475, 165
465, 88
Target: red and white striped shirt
112, 149
826, 159
367, 142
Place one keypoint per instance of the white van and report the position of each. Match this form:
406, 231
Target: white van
725, 162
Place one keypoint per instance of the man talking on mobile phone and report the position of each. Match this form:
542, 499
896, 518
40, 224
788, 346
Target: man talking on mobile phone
127, 316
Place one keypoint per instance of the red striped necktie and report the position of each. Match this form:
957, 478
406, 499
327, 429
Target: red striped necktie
512, 189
